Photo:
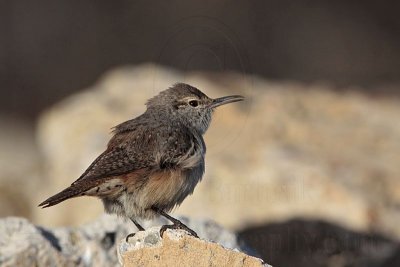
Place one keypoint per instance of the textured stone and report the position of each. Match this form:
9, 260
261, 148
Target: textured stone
23, 244
177, 248
94, 244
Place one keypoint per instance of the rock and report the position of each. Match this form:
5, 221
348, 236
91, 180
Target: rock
177, 248
290, 150
318, 243
24, 244
94, 244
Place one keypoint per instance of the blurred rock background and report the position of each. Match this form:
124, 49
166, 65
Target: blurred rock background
318, 138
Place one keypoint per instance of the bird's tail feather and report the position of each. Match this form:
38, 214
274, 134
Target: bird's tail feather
67, 193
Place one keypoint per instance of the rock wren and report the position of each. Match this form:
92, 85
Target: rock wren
153, 162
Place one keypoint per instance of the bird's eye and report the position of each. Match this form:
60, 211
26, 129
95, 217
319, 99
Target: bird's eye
194, 103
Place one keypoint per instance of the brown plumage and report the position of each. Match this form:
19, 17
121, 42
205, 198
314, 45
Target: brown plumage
153, 162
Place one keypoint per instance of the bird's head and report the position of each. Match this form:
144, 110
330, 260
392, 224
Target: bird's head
188, 105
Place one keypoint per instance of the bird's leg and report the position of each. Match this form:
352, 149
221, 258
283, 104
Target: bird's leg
177, 224
139, 227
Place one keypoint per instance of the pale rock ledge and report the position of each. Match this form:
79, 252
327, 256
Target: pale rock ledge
178, 248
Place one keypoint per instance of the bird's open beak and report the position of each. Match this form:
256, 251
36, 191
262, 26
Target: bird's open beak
225, 100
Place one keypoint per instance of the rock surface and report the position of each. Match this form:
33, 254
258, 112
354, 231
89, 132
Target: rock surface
177, 248
94, 244
289, 150
305, 243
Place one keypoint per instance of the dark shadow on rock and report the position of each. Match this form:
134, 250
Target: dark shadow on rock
50, 237
394, 260
316, 243
108, 240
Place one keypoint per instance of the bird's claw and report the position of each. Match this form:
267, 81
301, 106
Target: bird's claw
178, 226
129, 236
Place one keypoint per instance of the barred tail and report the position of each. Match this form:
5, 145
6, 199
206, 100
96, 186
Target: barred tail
67, 193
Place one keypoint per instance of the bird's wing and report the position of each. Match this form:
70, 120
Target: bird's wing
121, 157
137, 149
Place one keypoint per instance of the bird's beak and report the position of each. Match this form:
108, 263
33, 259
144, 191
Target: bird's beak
225, 100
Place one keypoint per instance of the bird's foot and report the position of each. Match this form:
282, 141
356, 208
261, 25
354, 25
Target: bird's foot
139, 227
129, 236
178, 225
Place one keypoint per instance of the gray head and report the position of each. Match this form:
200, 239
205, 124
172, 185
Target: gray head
188, 105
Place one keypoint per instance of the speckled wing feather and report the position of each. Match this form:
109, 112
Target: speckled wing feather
119, 158
128, 151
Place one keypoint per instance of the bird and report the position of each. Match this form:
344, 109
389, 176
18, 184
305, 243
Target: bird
152, 162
